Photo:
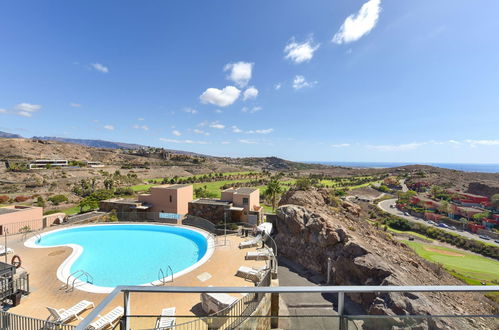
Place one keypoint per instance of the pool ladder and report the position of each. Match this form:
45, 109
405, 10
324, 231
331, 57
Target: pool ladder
162, 276
77, 275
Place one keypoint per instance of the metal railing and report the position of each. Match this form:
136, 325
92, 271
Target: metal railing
75, 276
339, 290
20, 322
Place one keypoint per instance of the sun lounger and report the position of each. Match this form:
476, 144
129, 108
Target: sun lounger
107, 321
215, 302
250, 273
64, 315
167, 319
264, 254
251, 243
2, 250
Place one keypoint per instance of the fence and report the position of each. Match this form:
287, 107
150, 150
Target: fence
19, 322
255, 294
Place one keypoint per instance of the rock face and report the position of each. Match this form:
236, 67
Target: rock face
309, 231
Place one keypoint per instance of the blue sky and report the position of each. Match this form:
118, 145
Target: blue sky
345, 80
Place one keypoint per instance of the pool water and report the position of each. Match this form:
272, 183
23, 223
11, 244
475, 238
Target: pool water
130, 254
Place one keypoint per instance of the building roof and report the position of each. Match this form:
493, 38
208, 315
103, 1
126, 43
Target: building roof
172, 186
210, 201
121, 201
245, 190
4, 210
14, 208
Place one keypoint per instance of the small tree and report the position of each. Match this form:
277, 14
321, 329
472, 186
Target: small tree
40, 202
89, 203
495, 201
273, 190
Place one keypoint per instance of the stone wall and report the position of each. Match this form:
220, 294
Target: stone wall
211, 212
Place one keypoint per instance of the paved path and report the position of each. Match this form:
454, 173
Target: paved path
307, 304
385, 206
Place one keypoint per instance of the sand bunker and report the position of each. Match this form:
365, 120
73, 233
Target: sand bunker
444, 252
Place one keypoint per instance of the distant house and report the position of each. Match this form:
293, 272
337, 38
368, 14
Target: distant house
235, 205
162, 202
468, 199
43, 163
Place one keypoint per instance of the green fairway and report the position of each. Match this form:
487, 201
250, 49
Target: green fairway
457, 261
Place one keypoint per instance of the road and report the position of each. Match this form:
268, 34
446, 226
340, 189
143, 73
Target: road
385, 206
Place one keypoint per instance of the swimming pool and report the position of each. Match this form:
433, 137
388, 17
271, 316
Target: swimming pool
127, 254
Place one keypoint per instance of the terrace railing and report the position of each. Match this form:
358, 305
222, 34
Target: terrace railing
243, 309
19, 322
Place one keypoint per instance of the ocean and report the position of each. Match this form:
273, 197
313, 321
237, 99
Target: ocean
485, 168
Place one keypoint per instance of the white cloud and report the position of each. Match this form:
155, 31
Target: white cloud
143, 127
300, 82
474, 143
398, 147
100, 67
300, 52
240, 72
3, 111
222, 98
176, 133
140, 119
248, 141
199, 131
251, 110
74, 105
359, 24
28, 107
218, 111
341, 145
25, 113
225, 142
190, 110
250, 93
183, 141
109, 127
277, 86
217, 125
263, 131
236, 129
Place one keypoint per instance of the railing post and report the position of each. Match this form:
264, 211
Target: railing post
126, 307
328, 270
341, 308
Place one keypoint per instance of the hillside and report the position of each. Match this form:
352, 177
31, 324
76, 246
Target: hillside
312, 227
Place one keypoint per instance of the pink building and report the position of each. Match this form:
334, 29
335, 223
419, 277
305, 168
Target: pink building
168, 198
245, 201
16, 218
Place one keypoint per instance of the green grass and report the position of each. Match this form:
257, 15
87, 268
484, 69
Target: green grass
471, 266
72, 210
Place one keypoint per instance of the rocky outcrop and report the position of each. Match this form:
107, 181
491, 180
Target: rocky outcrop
309, 231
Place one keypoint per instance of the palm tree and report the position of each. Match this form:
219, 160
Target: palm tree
273, 190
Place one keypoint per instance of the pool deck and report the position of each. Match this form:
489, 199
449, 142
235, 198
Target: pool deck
45, 288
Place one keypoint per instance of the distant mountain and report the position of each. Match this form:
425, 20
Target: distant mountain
92, 143
10, 135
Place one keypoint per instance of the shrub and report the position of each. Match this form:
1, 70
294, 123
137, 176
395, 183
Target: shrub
21, 198
124, 191
58, 199
40, 202
4, 199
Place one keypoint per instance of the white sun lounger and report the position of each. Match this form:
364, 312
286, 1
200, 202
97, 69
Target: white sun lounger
251, 243
64, 315
215, 302
258, 255
167, 319
107, 321
250, 273
2, 250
